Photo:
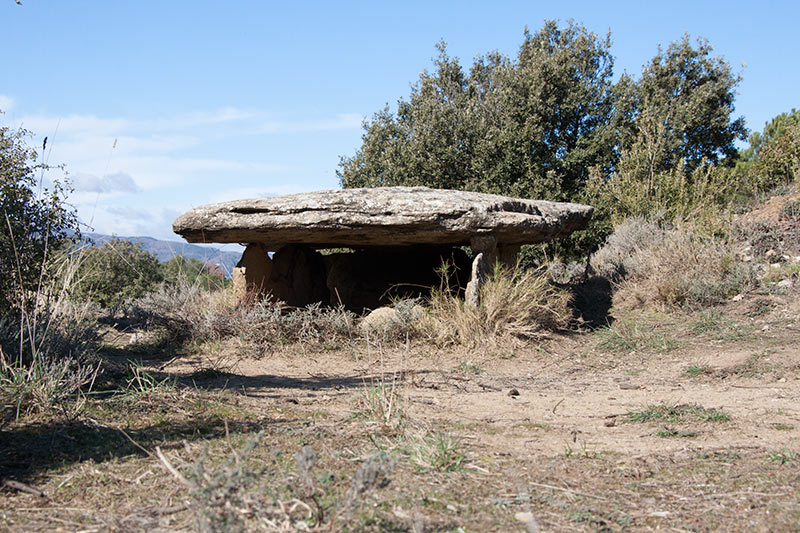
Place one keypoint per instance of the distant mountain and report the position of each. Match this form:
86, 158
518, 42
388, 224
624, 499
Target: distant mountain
166, 250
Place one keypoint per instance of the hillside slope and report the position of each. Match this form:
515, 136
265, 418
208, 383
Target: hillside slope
166, 250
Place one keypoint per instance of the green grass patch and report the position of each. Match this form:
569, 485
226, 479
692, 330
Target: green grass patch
467, 367
438, 451
627, 335
784, 457
699, 370
761, 306
672, 414
756, 365
707, 321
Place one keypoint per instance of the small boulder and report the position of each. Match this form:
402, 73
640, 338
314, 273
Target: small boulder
390, 321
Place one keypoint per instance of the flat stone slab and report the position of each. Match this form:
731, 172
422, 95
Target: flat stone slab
385, 216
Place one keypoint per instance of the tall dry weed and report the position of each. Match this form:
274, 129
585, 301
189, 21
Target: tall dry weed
513, 304
47, 347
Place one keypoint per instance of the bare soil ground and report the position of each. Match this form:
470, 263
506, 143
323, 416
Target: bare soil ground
676, 422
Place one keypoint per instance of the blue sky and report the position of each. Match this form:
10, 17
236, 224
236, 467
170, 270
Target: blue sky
157, 107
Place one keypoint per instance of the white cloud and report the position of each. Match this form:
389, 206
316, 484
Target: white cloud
126, 221
117, 182
125, 170
6, 102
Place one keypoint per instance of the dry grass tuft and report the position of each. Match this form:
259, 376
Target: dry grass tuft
47, 351
518, 304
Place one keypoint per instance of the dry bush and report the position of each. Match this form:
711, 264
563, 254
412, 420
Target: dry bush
672, 268
267, 325
521, 304
186, 313
619, 255
240, 493
183, 312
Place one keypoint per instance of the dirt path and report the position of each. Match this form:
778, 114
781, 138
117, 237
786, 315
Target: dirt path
545, 403
684, 423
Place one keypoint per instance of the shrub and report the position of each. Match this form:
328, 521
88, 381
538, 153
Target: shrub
35, 222
239, 493
117, 271
181, 312
618, 256
189, 270
678, 267
269, 324
634, 192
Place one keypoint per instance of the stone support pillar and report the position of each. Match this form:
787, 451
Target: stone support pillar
485, 248
251, 274
508, 254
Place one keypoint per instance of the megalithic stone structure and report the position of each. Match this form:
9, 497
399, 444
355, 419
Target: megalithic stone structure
396, 236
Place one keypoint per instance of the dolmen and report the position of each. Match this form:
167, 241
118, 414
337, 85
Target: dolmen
362, 248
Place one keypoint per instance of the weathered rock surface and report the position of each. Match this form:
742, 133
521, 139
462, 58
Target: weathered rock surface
251, 274
380, 321
390, 321
388, 216
297, 276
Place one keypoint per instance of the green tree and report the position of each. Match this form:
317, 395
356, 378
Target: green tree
35, 221
117, 271
683, 107
181, 269
773, 157
530, 127
551, 124
676, 136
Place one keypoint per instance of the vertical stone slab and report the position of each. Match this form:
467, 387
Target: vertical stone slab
473, 293
251, 274
485, 248
507, 255
298, 276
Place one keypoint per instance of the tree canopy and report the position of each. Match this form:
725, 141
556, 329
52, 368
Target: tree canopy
773, 156
528, 127
539, 125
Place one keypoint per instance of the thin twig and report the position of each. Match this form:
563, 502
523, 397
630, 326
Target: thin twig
22, 487
171, 510
557, 404
172, 470
135, 443
165, 365
562, 489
